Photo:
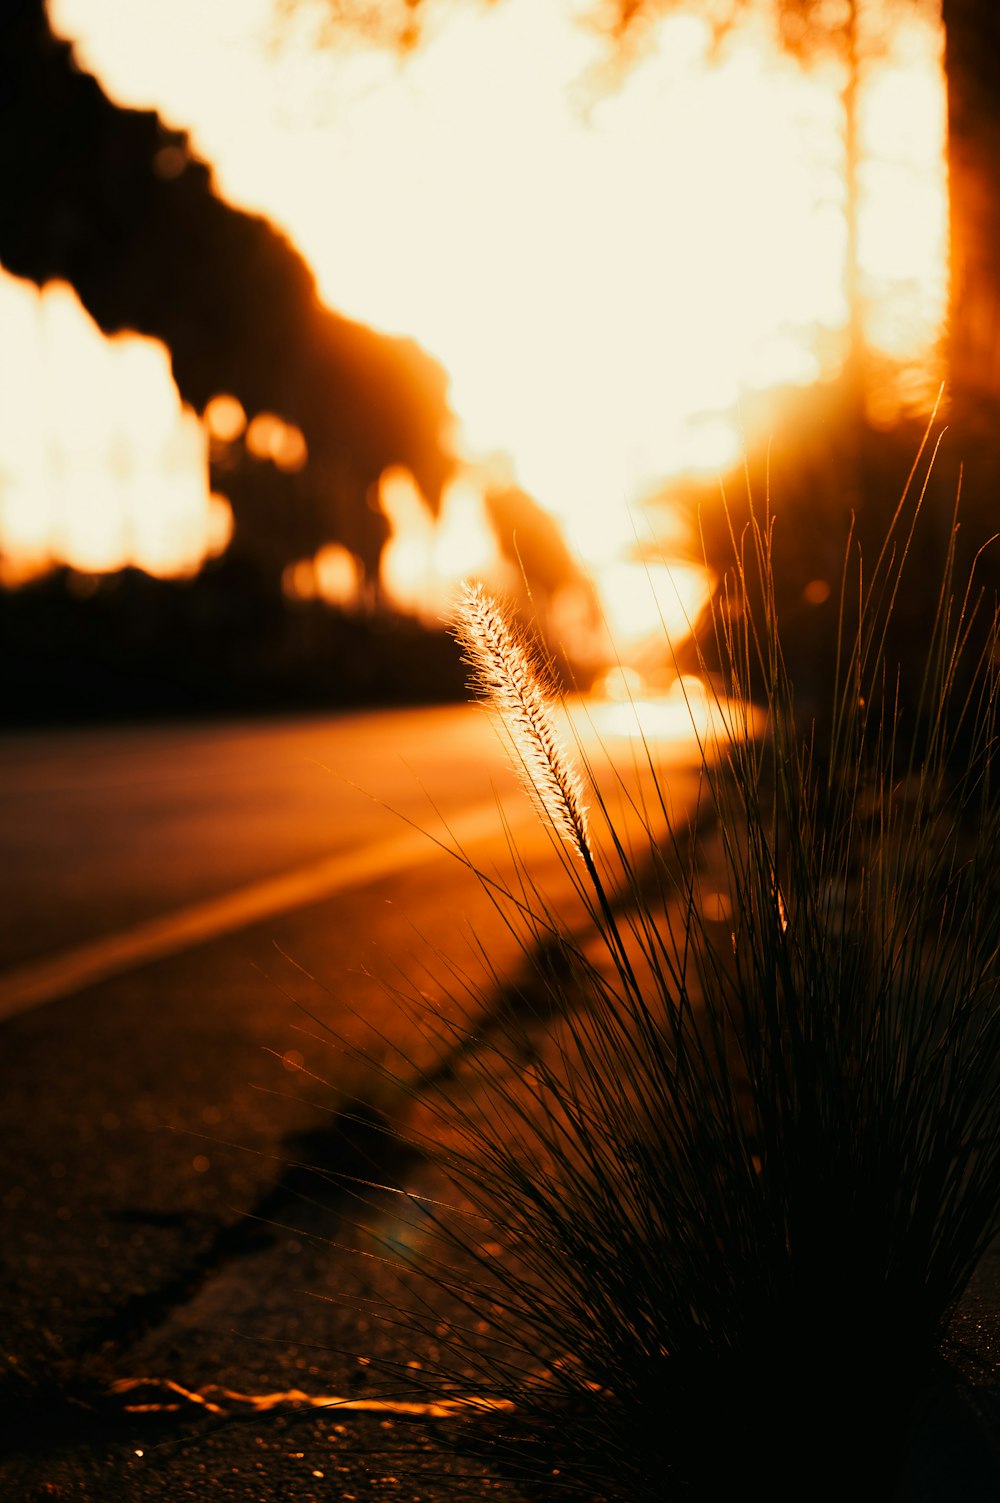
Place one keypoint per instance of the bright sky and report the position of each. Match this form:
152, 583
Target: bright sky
602, 274
598, 282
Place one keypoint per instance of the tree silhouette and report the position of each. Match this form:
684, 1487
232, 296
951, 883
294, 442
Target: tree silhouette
112, 202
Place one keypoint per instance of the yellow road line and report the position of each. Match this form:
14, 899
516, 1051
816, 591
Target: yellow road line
30, 985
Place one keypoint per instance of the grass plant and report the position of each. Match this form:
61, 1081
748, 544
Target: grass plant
717, 1180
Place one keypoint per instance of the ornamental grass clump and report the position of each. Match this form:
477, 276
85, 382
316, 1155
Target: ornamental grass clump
718, 1177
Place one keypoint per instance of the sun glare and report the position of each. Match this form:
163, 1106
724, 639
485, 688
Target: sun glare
904, 220
607, 266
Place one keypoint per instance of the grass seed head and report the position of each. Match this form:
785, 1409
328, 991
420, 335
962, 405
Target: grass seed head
739, 1172
508, 675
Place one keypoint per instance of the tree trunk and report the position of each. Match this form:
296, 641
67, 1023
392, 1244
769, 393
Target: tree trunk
972, 66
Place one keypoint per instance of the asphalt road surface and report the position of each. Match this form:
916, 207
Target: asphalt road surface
225, 953
106, 831
212, 940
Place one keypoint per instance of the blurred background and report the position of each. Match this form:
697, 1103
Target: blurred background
310, 309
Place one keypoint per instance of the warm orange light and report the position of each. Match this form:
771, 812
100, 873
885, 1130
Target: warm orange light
903, 220
604, 271
298, 580
816, 592
270, 437
425, 560
224, 418
289, 451
332, 575
219, 525
337, 575
650, 601
684, 717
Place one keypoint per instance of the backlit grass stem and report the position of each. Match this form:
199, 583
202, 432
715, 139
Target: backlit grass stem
508, 674
717, 1189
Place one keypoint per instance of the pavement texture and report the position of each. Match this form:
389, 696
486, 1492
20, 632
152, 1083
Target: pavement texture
164, 1238
184, 1234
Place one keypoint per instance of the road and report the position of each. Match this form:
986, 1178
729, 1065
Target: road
226, 953
204, 931
104, 831
124, 845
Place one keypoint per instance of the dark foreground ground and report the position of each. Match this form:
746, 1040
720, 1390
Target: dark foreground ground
163, 1244
169, 1261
